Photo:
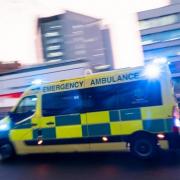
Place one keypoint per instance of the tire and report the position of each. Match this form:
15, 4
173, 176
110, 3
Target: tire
144, 148
6, 152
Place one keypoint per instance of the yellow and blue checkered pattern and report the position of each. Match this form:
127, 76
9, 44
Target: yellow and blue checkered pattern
98, 124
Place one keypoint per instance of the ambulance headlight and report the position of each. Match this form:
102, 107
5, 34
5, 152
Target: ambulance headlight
152, 71
4, 126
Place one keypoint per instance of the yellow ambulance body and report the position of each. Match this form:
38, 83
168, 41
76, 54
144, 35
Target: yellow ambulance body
110, 111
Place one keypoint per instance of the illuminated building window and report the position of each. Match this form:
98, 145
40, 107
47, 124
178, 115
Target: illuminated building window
55, 27
46, 26
55, 59
54, 54
161, 21
161, 37
54, 40
51, 34
52, 48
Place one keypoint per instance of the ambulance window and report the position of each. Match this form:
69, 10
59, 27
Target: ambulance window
27, 104
101, 98
139, 94
61, 103
123, 95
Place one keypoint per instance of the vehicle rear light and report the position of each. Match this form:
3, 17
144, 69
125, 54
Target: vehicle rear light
176, 117
175, 112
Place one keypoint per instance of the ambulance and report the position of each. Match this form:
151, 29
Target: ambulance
132, 109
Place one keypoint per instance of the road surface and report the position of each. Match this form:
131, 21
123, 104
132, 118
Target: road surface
96, 166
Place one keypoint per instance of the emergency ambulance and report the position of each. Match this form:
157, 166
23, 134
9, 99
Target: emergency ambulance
131, 109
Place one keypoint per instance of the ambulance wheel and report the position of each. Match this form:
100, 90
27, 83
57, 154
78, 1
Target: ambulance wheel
6, 152
144, 147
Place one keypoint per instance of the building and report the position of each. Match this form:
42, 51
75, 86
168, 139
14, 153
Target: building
9, 66
160, 35
72, 36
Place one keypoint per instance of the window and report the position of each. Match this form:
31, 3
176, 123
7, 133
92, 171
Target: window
101, 98
59, 103
54, 60
162, 52
118, 96
161, 37
54, 47
124, 95
53, 40
51, 34
51, 25
159, 21
54, 54
56, 27
26, 108
176, 83
139, 94
27, 104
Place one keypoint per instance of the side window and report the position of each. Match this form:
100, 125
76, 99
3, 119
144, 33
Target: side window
25, 109
117, 96
101, 98
27, 104
139, 94
123, 95
59, 103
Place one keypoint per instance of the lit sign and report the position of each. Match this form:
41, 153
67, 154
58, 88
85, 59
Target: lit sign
63, 86
92, 82
114, 79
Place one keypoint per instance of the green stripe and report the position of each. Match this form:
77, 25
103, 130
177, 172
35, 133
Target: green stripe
130, 114
46, 133
99, 130
114, 115
68, 120
84, 130
49, 133
169, 124
155, 125
36, 134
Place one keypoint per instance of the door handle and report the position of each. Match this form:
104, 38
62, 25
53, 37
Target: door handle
49, 123
33, 124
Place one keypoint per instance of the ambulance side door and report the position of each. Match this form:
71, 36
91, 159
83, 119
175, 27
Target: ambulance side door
22, 123
62, 122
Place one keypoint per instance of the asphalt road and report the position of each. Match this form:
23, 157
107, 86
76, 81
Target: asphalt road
96, 166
